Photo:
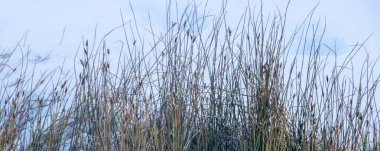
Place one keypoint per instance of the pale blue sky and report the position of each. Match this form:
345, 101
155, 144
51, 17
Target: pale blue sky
348, 21
45, 21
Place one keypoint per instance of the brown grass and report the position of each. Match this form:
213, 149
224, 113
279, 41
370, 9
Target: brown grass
229, 88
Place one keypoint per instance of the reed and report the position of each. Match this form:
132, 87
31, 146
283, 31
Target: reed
248, 87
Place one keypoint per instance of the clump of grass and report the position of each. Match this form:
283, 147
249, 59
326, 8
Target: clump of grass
248, 87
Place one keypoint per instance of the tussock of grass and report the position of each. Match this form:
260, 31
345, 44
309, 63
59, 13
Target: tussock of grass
247, 87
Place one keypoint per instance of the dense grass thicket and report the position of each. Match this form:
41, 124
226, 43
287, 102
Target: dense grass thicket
243, 87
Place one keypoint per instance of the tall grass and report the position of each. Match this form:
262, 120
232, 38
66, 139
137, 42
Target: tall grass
248, 87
